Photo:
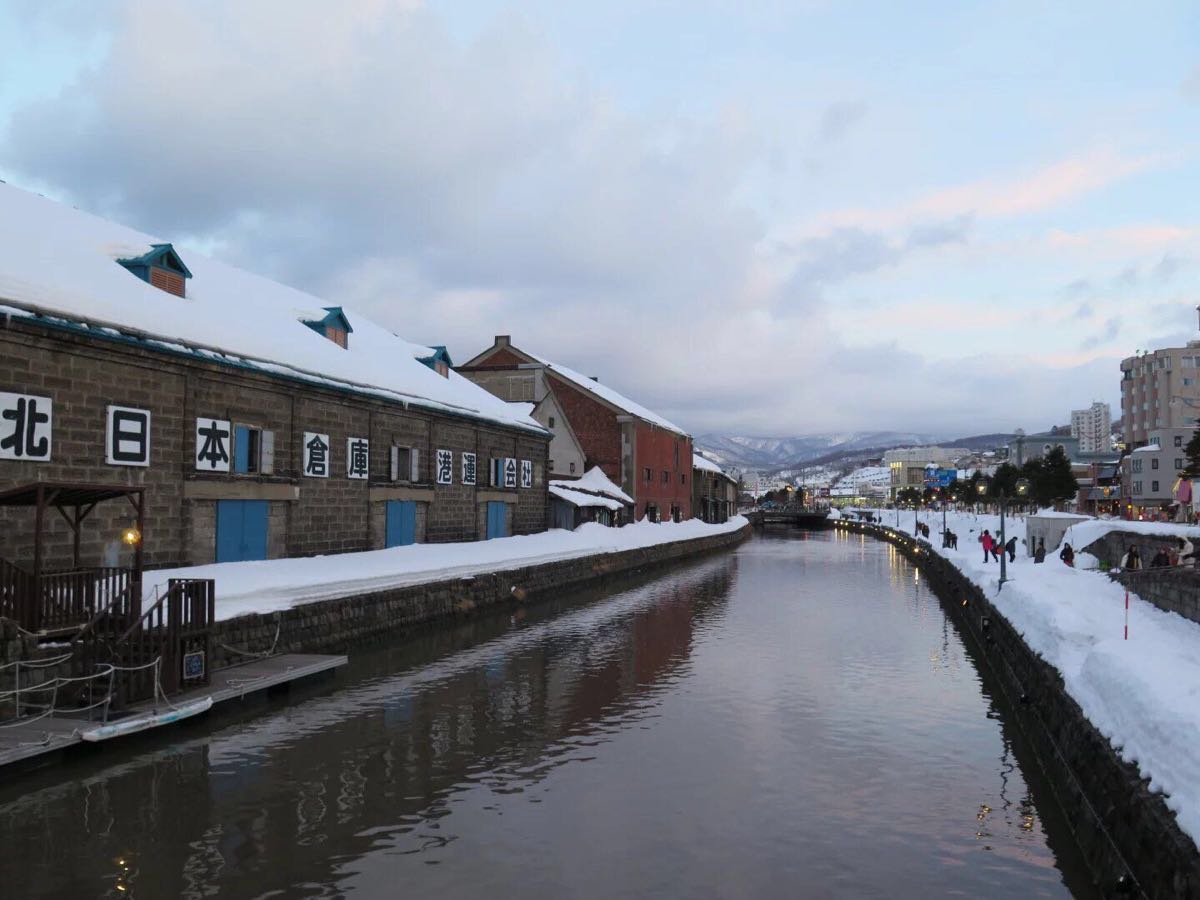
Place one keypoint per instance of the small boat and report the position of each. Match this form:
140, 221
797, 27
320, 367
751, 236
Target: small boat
146, 721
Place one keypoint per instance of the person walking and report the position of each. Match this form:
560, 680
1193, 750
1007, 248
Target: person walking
1011, 547
1039, 554
1131, 561
1067, 555
986, 540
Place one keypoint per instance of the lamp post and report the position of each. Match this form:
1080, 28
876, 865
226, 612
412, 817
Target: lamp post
1022, 491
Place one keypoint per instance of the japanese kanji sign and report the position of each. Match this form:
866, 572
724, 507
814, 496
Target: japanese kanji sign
212, 445
316, 455
357, 457
510, 472
25, 425
526, 473
468, 468
127, 437
445, 467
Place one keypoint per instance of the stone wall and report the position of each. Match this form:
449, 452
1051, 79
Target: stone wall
1128, 836
1111, 548
1175, 590
339, 623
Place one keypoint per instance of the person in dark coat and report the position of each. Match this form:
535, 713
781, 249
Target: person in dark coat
1011, 547
1039, 554
1160, 559
1067, 555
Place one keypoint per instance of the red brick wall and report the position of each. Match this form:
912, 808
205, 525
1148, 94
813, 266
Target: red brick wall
662, 451
501, 359
594, 424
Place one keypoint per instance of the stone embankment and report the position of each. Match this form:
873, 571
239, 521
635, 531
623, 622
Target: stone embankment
1129, 837
341, 622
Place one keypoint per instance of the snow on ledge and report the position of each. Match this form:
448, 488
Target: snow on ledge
267, 586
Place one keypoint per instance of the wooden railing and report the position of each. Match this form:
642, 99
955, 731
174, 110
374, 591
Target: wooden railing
174, 627
72, 598
16, 592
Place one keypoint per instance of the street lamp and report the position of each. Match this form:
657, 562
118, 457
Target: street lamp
1021, 489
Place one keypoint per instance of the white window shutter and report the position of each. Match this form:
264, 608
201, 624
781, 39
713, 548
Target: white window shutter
497, 471
414, 458
266, 452
394, 463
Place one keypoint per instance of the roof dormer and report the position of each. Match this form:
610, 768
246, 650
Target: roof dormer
161, 267
439, 360
334, 326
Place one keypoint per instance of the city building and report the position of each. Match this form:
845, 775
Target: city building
1159, 389
714, 493
1150, 473
1092, 427
592, 498
594, 425
255, 420
906, 466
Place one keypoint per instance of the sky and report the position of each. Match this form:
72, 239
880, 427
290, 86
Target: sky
760, 218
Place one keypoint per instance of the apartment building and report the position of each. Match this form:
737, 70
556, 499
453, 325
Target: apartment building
1092, 427
1160, 389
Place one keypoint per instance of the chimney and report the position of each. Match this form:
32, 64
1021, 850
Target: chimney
594, 377
503, 340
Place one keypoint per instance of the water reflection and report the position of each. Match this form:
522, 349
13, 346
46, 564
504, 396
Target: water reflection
797, 719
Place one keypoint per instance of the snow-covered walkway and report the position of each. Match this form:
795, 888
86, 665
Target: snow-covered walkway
270, 585
1143, 693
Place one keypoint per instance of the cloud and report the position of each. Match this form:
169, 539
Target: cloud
1107, 334
838, 119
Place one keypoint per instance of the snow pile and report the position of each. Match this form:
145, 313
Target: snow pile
270, 585
1086, 533
1143, 694
61, 261
594, 481
581, 499
699, 462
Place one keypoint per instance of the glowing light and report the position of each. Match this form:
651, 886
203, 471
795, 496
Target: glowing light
131, 536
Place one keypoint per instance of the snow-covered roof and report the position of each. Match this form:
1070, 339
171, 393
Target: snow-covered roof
699, 462
607, 394
1149, 448
60, 262
579, 498
596, 481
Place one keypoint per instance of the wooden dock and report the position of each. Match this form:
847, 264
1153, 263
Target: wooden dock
53, 734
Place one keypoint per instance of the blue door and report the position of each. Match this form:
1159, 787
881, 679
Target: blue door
401, 523
241, 530
495, 522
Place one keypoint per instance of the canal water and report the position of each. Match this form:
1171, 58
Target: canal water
795, 719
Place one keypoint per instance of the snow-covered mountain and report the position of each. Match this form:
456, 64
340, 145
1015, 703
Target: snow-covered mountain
769, 453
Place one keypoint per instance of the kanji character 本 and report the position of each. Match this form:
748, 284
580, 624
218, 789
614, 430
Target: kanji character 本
357, 457
316, 455
30, 434
212, 445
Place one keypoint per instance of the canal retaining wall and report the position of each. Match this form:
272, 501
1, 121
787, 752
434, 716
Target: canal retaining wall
341, 622
1128, 835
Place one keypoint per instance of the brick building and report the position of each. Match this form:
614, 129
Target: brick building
260, 422
714, 494
593, 425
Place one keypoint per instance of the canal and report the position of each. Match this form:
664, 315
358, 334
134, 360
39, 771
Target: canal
797, 718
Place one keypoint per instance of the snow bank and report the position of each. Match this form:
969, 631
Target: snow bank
275, 584
596, 481
582, 499
1143, 694
1085, 533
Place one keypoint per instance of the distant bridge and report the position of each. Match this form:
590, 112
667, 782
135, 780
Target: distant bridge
796, 516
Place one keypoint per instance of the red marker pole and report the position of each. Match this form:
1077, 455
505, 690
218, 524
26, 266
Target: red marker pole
1126, 613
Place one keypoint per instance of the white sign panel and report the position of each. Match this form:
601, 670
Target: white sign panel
212, 445
25, 425
526, 473
357, 457
127, 436
316, 455
468, 468
445, 467
510, 472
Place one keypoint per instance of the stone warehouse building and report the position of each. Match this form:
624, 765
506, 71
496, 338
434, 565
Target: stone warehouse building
649, 458
261, 422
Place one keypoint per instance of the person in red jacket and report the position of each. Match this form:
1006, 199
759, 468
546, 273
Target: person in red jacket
988, 544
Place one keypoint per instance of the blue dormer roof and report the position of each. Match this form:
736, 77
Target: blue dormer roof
334, 316
439, 355
161, 255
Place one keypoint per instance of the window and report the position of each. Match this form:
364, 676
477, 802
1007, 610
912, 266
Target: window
1137, 465
1154, 487
646, 472
520, 388
405, 464
552, 421
1154, 463
1178, 464
337, 335
572, 468
1137, 487
1179, 440
253, 450
683, 477
666, 477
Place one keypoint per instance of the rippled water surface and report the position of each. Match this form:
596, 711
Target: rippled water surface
796, 719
